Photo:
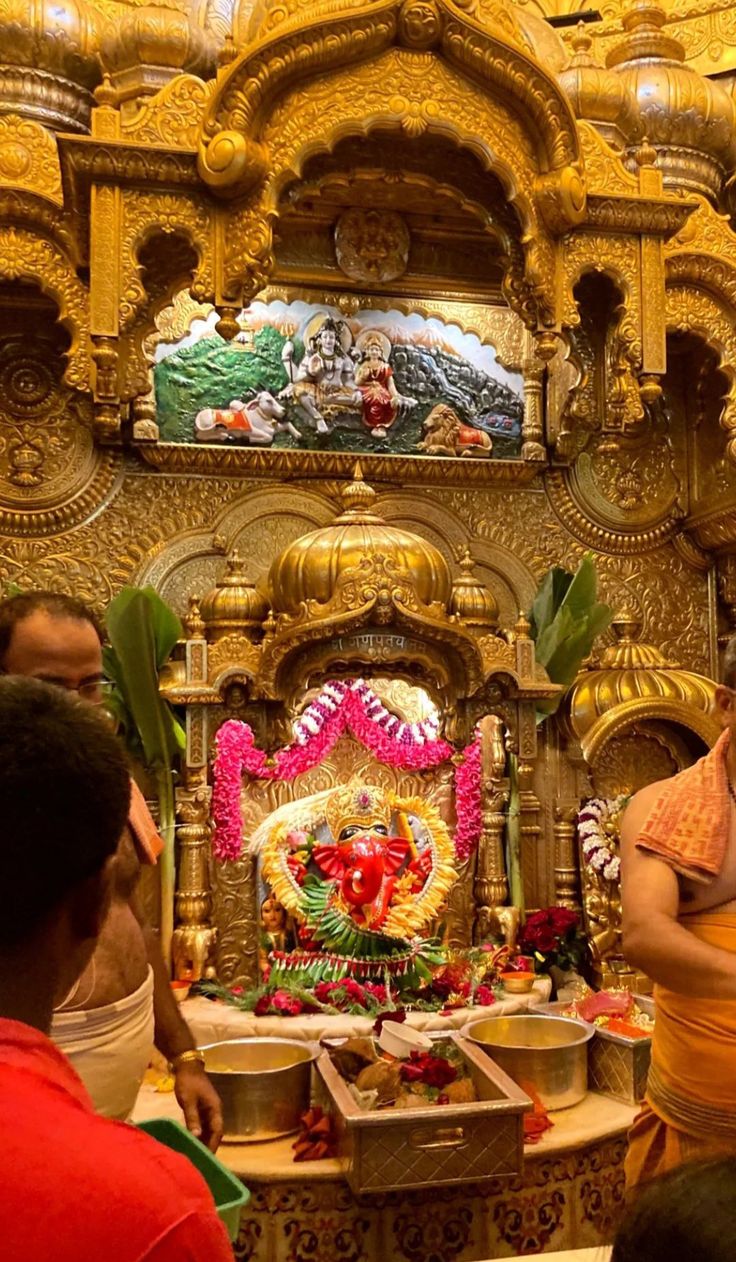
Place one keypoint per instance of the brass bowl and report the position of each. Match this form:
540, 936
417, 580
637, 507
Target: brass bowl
548, 1053
264, 1085
517, 983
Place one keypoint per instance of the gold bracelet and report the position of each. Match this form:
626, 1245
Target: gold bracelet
190, 1057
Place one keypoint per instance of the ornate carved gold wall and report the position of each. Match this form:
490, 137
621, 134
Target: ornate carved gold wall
594, 208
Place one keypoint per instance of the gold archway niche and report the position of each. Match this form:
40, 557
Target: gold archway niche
636, 718
364, 72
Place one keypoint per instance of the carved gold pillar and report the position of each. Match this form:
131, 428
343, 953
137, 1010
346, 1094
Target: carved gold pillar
194, 941
532, 431
727, 593
566, 857
104, 281
653, 315
530, 828
491, 884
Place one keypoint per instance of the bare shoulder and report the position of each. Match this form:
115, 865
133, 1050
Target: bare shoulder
638, 809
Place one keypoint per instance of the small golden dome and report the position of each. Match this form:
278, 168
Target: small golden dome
634, 681
599, 95
48, 62
690, 120
234, 604
471, 600
311, 567
152, 43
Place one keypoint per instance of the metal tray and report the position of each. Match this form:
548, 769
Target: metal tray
384, 1150
619, 1066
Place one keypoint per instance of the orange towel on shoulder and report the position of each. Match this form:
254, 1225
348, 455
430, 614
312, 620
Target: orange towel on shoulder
142, 826
688, 825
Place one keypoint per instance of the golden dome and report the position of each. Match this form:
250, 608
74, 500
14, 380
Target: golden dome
311, 568
234, 604
471, 601
599, 95
634, 681
150, 44
48, 63
690, 120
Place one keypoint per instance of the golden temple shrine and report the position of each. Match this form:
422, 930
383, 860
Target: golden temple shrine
354, 329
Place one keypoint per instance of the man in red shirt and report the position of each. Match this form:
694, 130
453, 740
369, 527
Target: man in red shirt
75, 1187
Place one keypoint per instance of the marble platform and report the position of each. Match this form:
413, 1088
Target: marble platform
214, 1022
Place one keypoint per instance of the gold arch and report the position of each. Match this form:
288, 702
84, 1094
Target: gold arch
233, 152
695, 311
625, 715
24, 256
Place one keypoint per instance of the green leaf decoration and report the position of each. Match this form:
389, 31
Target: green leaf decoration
548, 599
566, 619
143, 631
335, 931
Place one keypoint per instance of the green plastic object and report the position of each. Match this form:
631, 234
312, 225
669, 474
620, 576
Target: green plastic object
229, 1193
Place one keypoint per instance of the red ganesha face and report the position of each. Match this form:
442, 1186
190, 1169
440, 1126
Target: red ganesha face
365, 867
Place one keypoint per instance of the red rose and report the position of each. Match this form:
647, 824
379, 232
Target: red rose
263, 1006
353, 990
484, 996
433, 1071
563, 920
286, 1004
376, 991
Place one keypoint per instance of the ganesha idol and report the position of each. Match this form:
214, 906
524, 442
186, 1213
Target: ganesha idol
364, 874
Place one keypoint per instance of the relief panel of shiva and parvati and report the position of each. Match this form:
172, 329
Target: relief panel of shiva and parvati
303, 376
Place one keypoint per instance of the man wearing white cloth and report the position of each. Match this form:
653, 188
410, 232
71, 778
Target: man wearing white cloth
123, 1002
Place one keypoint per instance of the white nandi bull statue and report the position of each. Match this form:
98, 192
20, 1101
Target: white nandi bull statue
254, 423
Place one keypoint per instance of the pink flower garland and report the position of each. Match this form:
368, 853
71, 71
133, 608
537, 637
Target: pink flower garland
468, 802
339, 706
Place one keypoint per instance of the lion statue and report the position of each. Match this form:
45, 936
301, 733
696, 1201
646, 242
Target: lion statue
446, 435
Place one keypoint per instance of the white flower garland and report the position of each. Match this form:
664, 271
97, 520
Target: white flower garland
319, 711
598, 829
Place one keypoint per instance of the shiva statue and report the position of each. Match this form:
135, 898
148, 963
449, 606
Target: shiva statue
323, 384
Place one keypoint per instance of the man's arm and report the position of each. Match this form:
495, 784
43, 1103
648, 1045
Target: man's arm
652, 938
194, 1091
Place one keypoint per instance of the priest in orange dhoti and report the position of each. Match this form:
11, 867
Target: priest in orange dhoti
679, 923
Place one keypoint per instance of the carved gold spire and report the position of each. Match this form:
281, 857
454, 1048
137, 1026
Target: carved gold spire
598, 94
689, 120
471, 601
634, 681
234, 604
48, 63
149, 45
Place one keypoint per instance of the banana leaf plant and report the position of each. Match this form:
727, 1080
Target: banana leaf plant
142, 631
566, 619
